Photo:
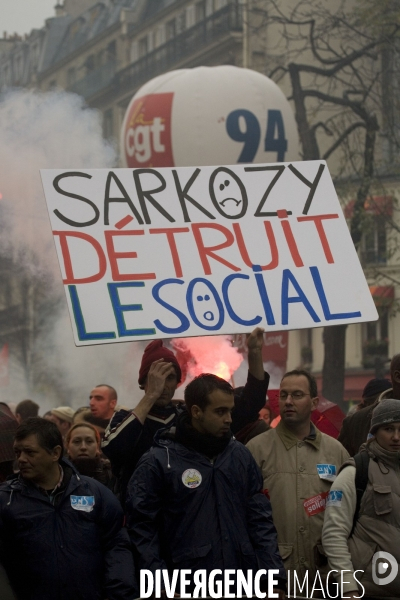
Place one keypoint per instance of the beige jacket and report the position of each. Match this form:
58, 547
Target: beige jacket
298, 491
378, 524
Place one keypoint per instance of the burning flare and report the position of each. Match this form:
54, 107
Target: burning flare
207, 355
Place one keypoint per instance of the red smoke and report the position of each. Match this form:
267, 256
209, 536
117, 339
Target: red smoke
207, 355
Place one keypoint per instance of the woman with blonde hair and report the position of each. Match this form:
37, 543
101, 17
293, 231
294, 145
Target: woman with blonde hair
83, 450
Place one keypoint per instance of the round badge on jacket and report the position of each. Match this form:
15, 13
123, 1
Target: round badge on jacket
191, 478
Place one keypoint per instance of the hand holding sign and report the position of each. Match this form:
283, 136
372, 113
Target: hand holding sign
255, 339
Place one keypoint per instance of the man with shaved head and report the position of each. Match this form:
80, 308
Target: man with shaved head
102, 401
355, 428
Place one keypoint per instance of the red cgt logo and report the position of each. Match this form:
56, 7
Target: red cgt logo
147, 135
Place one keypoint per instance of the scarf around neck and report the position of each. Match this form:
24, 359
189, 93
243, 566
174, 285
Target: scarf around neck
204, 443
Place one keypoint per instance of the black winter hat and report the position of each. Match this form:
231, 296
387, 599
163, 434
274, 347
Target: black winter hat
376, 386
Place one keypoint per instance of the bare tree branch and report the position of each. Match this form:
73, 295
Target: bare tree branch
342, 137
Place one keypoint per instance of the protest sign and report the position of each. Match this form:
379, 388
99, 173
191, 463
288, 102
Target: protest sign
176, 252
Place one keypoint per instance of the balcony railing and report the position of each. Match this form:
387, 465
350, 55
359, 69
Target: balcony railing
162, 59
95, 80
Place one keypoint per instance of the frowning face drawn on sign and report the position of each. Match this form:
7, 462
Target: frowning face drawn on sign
228, 193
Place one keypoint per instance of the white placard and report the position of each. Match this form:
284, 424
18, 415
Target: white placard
193, 251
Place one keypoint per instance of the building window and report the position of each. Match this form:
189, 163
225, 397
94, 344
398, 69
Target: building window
134, 52
112, 51
71, 76
143, 46
209, 7
376, 342
200, 9
90, 63
75, 27
160, 35
6, 75
18, 69
108, 124
182, 21
171, 29
306, 352
373, 243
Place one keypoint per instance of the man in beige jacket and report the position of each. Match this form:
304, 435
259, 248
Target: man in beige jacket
298, 464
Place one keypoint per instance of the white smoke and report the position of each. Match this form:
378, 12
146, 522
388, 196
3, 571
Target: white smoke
43, 131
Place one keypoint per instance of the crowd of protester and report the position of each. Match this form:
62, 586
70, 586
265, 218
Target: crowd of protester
90, 498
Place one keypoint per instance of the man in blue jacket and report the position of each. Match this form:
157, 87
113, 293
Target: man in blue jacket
61, 533
130, 433
195, 501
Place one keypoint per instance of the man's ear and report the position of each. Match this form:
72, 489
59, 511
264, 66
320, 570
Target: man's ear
196, 411
395, 376
314, 403
56, 453
113, 402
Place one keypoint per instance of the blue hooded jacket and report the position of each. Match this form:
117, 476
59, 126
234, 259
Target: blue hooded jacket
185, 511
76, 549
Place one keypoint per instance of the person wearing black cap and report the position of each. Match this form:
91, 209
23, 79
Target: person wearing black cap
130, 433
355, 427
355, 543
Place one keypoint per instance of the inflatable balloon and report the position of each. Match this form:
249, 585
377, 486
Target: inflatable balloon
208, 116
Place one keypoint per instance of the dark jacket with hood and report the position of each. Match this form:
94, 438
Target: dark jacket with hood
127, 439
70, 546
355, 428
187, 510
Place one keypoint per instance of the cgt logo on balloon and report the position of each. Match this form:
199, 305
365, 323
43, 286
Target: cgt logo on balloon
154, 253
148, 131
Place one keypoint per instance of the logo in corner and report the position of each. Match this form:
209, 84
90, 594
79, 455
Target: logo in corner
384, 568
191, 478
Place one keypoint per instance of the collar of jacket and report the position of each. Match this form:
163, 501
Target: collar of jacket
163, 413
203, 443
386, 394
164, 437
391, 459
18, 484
289, 439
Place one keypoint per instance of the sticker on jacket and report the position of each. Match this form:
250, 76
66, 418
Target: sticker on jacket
334, 498
191, 478
327, 472
316, 504
85, 503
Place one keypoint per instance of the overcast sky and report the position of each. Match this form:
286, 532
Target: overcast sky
21, 16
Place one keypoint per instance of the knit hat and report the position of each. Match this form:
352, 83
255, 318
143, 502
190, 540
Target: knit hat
65, 413
375, 387
154, 351
387, 411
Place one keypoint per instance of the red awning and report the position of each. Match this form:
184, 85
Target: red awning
374, 205
383, 295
